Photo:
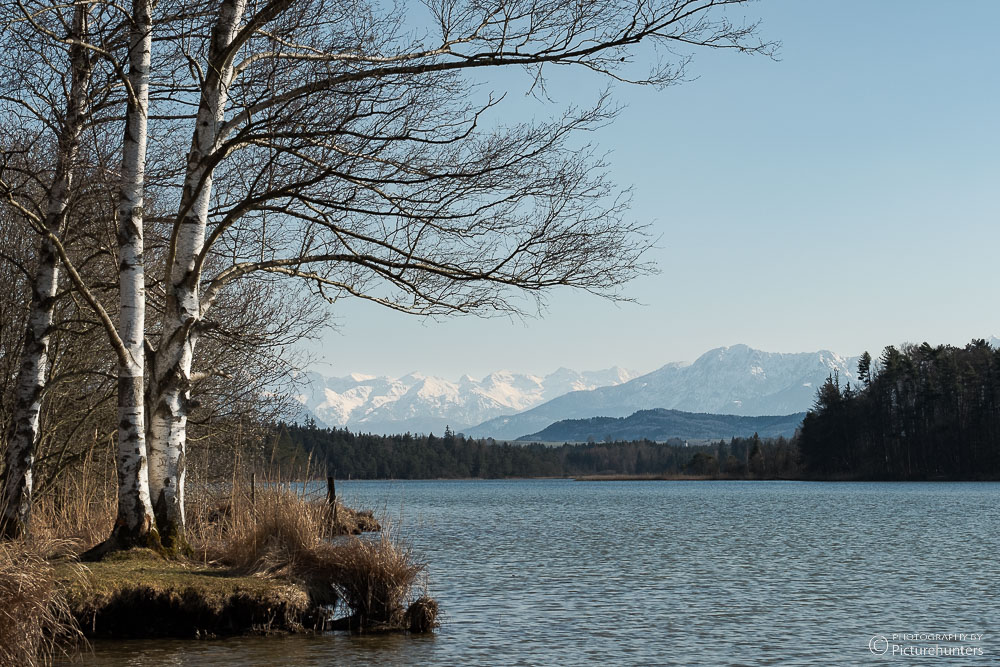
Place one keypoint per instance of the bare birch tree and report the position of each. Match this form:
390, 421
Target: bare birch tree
42, 25
135, 514
41, 164
329, 147
22, 437
79, 384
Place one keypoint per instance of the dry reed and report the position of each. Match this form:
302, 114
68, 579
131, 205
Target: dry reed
35, 620
79, 511
287, 534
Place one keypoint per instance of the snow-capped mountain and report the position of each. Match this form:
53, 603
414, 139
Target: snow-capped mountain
426, 404
737, 380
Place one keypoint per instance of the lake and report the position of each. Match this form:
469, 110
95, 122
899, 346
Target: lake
674, 573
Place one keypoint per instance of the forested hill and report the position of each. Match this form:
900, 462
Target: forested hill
920, 412
661, 425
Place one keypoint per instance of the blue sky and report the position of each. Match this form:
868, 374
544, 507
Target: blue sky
845, 197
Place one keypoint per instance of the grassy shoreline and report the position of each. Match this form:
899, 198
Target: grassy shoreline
121, 596
271, 561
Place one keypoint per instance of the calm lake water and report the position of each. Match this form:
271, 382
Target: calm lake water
674, 573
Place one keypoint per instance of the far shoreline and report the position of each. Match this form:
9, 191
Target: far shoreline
646, 478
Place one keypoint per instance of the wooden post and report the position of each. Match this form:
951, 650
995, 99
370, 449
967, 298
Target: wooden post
331, 496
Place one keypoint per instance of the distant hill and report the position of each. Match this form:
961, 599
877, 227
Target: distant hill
737, 380
661, 425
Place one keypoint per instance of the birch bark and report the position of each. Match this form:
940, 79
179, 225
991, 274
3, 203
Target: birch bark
134, 524
17, 482
171, 377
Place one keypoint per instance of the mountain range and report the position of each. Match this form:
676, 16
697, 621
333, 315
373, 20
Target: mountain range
427, 404
736, 380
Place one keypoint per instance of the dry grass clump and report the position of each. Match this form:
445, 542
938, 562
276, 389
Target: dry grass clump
374, 579
35, 619
347, 521
284, 534
422, 614
263, 536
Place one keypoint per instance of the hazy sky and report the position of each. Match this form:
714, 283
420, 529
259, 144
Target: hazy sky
845, 197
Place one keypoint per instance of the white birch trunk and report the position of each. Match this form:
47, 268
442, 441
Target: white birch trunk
135, 515
21, 441
170, 389
16, 486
